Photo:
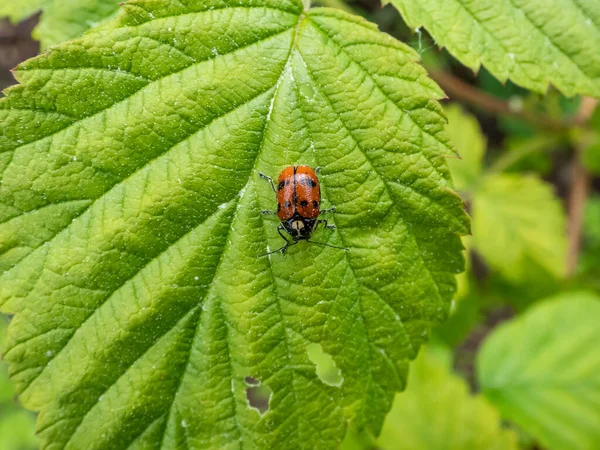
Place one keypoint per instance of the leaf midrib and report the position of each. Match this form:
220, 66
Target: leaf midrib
348, 262
432, 279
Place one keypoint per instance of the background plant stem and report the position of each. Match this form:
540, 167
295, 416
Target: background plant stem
459, 90
580, 184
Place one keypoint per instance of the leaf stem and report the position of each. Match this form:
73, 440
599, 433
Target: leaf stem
459, 90
580, 186
580, 183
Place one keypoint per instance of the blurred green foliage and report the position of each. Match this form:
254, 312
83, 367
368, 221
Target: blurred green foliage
588, 271
542, 370
17, 426
470, 142
415, 421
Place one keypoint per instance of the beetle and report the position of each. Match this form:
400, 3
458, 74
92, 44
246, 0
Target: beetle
298, 205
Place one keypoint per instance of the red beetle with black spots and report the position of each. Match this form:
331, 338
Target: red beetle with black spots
298, 205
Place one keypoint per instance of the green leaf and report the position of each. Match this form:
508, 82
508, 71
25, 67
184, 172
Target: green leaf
518, 220
468, 139
436, 411
522, 293
591, 155
132, 238
542, 370
531, 42
589, 259
462, 280
61, 20
7, 391
17, 429
591, 222
464, 317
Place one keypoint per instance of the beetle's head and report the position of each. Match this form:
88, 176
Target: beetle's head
299, 228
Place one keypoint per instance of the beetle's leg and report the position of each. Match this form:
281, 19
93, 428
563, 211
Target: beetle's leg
331, 227
328, 226
280, 228
328, 245
266, 177
286, 245
328, 210
267, 212
317, 169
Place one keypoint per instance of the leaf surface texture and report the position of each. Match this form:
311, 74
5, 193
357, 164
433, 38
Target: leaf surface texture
131, 233
531, 42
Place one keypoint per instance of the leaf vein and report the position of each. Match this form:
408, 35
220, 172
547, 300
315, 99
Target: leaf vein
109, 297
157, 80
380, 89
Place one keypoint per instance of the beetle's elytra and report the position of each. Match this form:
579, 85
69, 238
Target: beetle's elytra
298, 205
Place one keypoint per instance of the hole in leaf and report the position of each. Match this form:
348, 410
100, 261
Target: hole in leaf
327, 371
258, 396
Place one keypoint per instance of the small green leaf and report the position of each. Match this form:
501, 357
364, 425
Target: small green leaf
542, 370
132, 235
470, 143
436, 411
462, 280
589, 260
518, 219
61, 20
466, 314
528, 154
531, 42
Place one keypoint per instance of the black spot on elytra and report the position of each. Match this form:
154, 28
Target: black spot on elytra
312, 183
287, 204
280, 186
304, 203
278, 207
287, 182
315, 204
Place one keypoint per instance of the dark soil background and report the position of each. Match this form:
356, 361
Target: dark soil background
16, 45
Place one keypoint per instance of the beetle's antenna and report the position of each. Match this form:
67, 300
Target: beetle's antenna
282, 249
328, 245
274, 251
